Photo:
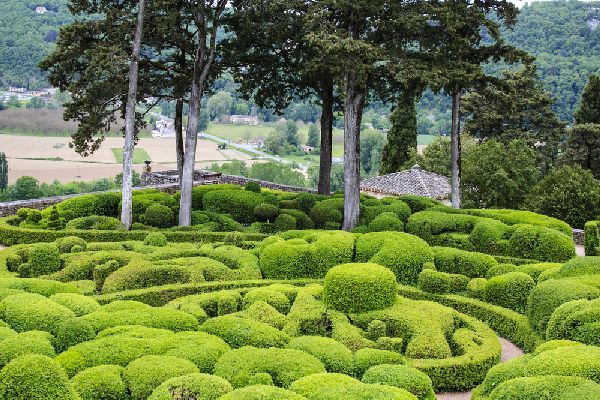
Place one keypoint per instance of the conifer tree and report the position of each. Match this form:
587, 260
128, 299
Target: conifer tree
3, 172
402, 136
588, 111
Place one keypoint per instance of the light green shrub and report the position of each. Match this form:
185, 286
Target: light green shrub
539, 243
441, 282
401, 376
31, 342
238, 332
159, 216
576, 320
192, 386
66, 244
155, 239
77, 303
335, 356
102, 382
239, 204
261, 392
455, 261
509, 290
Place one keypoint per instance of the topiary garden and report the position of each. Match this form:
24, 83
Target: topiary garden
265, 298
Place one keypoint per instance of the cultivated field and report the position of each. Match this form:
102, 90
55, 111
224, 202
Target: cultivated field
50, 158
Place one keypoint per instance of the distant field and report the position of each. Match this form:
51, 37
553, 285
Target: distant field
139, 155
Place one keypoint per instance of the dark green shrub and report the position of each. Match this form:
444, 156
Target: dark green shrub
198, 193
335, 356
419, 203
306, 201
100, 204
282, 366
272, 297
539, 243
359, 287
237, 203
252, 186
402, 253
328, 211
576, 320
35, 377
43, 259
386, 222
261, 392
509, 290
578, 266
192, 386
401, 376
442, 282
303, 221
500, 269
548, 295
158, 216
101, 382
147, 373
66, 244
155, 239
592, 238
489, 236
239, 332
266, 212
285, 222
95, 222
55, 221
455, 261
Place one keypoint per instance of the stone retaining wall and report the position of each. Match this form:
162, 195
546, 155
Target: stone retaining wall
165, 181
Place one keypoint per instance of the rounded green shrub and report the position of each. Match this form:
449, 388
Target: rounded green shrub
503, 372
509, 290
30, 311
35, 377
367, 358
285, 222
77, 303
66, 244
159, 216
261, 392
455, 261
582, 361
303, 221
540, 243
476, 287
402, 253
147, 373
359, 287
96, 222
576, 320
31, 342
343, 387
441, 282
274, 298
578, 266
239, 204
548, 295
192, 386
253, 186
280, 366
101, 382
547, 388
328, 211
43, 259
266, 212
401, 376
335, 356
155, 239
238, 332
386, 221
500, 269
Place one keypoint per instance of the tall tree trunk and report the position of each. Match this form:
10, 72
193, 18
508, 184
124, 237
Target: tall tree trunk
455, 143
179, 138
127, 199
353, 110
324, 186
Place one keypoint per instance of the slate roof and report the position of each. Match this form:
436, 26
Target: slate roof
412, 181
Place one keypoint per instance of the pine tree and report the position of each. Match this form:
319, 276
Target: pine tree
588, 111
313, 136
3, 172
402, 137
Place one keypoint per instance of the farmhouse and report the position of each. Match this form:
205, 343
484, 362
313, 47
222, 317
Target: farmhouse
41, 10
412, 181
244, 119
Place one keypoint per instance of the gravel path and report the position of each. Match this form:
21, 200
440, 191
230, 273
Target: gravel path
580, 250
509, 351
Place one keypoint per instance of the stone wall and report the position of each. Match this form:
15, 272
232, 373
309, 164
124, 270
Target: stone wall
166, 181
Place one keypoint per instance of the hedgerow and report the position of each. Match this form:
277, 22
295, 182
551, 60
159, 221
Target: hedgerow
540, 243
31, 342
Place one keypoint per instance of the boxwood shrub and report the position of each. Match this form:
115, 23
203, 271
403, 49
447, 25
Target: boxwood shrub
442, 282
66, 244
101, 382
509, 290
261, 392
280, 367
576, 320
43, 259
547, 387
146, 373
592, 238
403, 377
367, 358
455, 261
239, 204
238, 332
359, 287
35, 377
335, 356
386, 222
31, 342
195, 386
539, 243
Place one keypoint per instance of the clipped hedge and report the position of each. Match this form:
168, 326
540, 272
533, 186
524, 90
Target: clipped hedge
539, 243
592, 238
101, 382
261, 392
279, 367
196, 386
359, 287
509, 290
442, 282
401, 376
238, 332
455, 261
334, 355
240, 204
576, 320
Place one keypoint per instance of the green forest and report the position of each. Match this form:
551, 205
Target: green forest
564, 36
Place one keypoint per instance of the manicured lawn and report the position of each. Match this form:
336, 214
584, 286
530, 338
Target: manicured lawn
139, 155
